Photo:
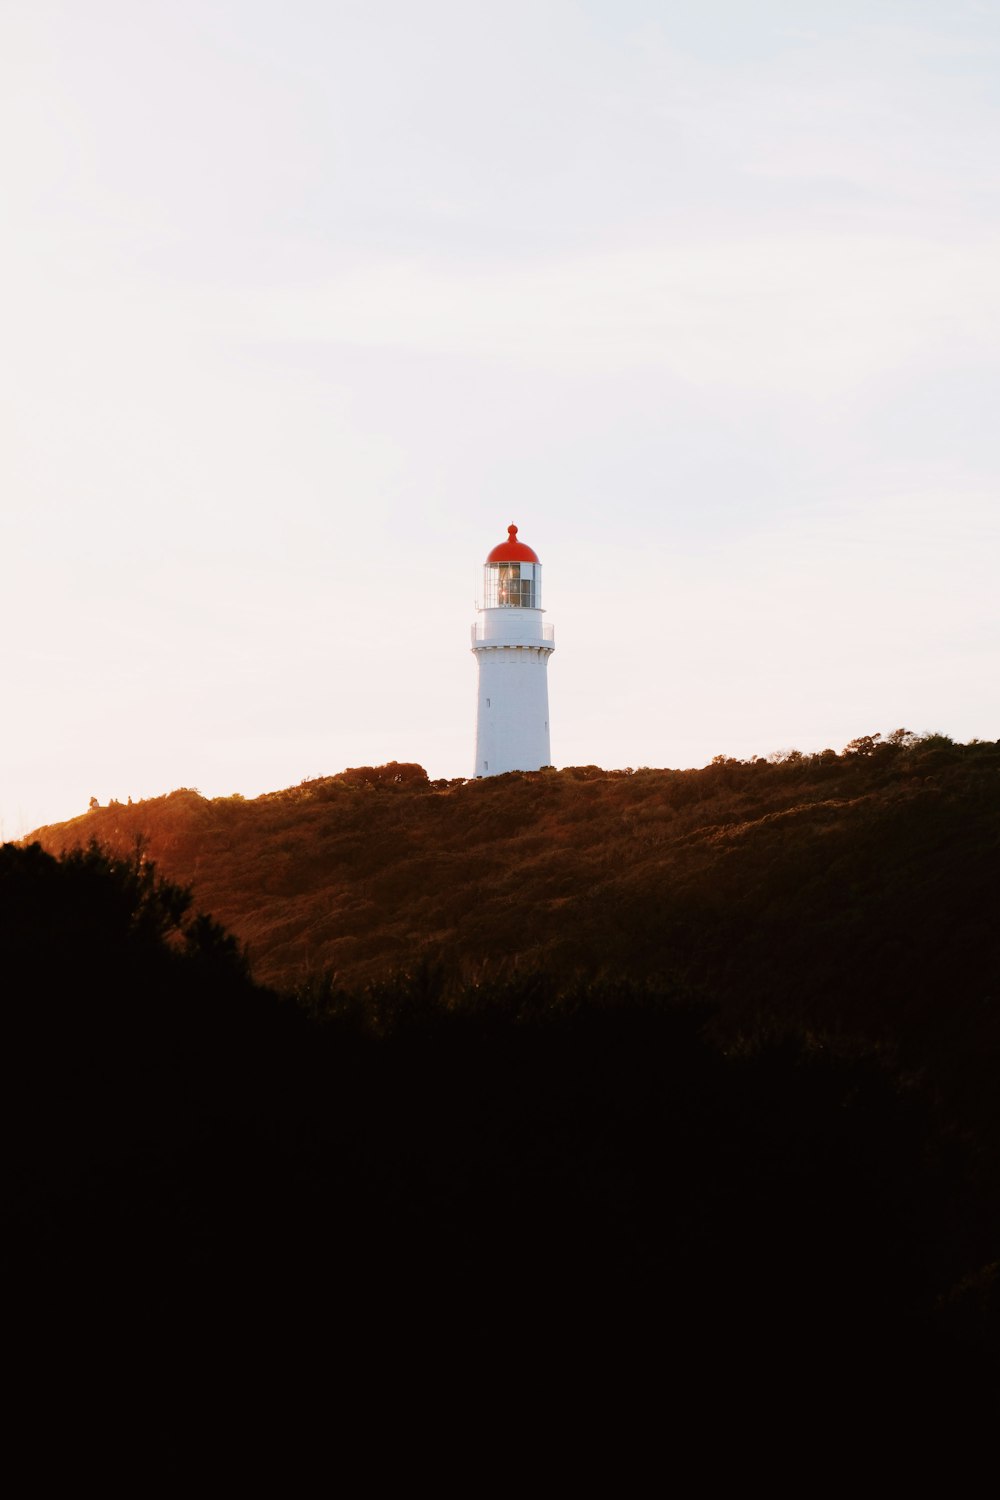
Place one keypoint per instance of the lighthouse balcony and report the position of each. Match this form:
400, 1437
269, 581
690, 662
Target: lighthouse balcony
494, 634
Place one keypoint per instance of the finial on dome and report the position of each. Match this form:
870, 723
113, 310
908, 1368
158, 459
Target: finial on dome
512, 532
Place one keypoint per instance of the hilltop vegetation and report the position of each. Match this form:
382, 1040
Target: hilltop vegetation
851, 893
587, 870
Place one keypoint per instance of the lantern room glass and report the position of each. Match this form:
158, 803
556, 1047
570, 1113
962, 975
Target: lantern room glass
511, 585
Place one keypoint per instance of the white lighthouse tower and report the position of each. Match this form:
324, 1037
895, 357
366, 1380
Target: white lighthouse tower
512, 647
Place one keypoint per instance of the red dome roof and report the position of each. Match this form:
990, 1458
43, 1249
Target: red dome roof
512, 550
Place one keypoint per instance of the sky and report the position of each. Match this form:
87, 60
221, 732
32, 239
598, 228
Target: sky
302, 303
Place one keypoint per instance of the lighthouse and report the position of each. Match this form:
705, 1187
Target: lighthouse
512, 646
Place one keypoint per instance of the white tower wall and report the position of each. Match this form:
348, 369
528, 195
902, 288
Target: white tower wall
512, 723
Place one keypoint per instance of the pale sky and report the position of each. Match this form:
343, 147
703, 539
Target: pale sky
302, 303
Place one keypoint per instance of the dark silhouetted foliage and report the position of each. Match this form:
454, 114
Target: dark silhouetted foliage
509, 1176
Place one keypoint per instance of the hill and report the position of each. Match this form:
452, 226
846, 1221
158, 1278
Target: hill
854, 894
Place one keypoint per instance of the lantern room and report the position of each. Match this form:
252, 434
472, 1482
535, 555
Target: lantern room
512, 576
